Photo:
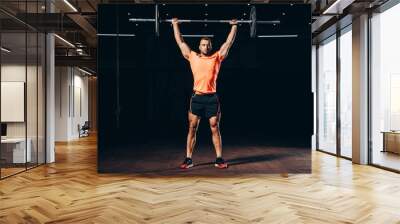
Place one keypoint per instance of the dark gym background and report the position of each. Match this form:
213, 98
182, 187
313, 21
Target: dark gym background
145, 86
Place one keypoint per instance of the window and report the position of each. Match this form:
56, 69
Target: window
385, 88
327, 95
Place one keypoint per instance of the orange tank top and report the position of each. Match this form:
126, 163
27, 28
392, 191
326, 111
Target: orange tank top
205, 71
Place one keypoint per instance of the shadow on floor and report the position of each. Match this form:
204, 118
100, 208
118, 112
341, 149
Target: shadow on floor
242, 159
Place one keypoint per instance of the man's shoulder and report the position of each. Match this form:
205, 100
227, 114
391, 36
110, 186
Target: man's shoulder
217, 53
193, 53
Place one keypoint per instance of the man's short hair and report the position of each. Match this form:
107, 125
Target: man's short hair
206, 38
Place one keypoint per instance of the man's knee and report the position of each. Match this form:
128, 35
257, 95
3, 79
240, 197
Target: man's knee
214, 127
193, 126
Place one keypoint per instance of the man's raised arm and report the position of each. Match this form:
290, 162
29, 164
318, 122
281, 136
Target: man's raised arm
223, 51
179, 40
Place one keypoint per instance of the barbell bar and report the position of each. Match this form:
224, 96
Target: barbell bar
203, 21
252, 21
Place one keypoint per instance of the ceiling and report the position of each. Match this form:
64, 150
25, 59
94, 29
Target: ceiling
75, 20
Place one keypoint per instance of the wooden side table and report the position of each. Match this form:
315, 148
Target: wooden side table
391, 141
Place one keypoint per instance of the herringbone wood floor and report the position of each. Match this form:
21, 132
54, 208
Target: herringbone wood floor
71, 191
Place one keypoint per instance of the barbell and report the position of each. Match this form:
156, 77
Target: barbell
252, 21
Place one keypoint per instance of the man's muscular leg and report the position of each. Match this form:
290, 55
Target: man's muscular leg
194, 121
216, 135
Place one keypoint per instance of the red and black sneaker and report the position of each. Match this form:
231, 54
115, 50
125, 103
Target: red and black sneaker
220, 163
187, 163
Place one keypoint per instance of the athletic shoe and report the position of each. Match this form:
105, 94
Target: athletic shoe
220, 163
187, 163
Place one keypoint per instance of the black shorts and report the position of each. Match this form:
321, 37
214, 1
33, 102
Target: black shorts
206, 105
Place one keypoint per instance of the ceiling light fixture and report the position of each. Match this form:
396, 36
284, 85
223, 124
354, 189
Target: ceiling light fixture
64, 40
5, 50
70, 5
84, 71
333, 6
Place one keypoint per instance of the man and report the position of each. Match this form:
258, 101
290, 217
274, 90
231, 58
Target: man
204, 101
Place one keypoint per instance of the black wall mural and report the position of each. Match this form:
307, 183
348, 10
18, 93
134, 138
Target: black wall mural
145, 86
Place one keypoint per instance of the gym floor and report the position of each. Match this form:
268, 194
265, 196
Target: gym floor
71, 191
242, 158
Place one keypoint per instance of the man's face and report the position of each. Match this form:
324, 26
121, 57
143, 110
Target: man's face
205, 47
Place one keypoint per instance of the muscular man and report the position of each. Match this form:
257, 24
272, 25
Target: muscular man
204, 102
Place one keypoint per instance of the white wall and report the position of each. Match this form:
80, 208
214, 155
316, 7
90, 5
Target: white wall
71, 102
16, 72
61, 103
80, 103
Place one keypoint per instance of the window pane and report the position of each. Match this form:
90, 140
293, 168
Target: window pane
327, 96
22, 88
346, 93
